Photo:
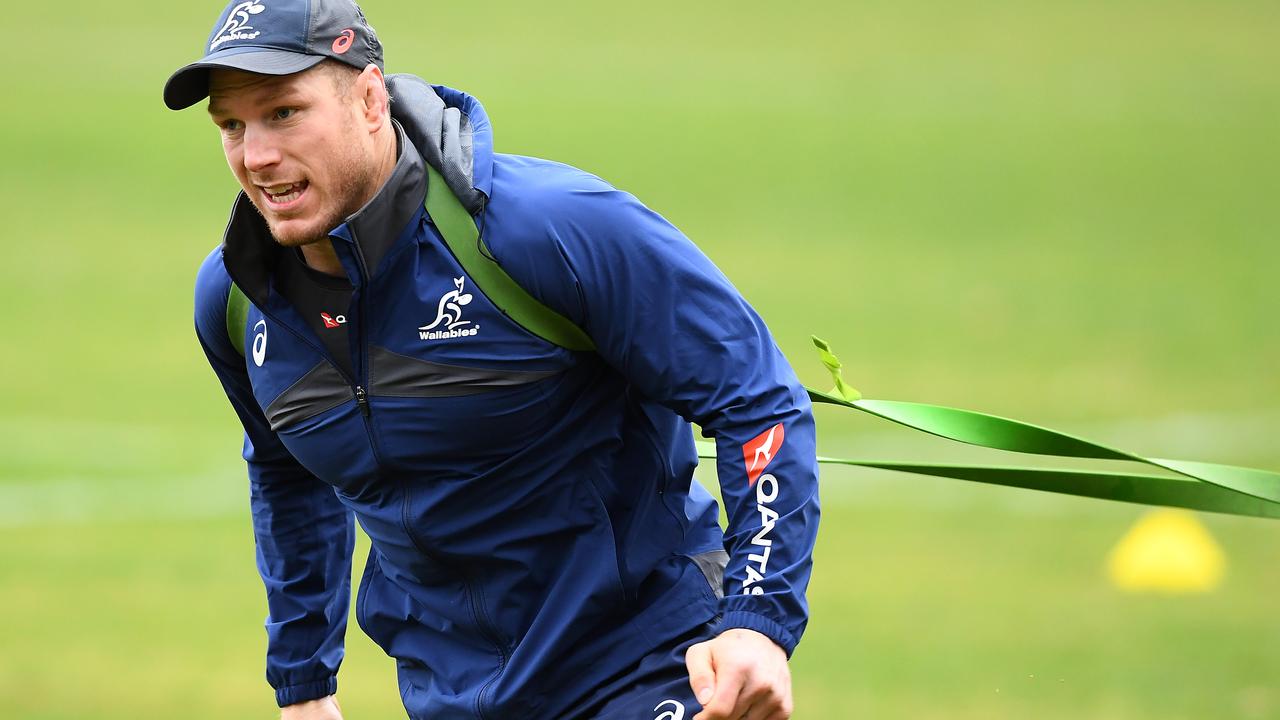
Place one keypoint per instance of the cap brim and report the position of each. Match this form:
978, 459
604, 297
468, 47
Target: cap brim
190, 84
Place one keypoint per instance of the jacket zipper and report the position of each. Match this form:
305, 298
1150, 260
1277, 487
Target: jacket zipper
484, 624
362, 345
357, 391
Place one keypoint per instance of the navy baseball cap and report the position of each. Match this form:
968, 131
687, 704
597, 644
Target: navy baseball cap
276, 37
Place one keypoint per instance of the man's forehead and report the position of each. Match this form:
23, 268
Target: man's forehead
230, 81
227, 85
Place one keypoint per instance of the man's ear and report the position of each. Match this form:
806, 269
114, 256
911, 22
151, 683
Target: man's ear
371, 88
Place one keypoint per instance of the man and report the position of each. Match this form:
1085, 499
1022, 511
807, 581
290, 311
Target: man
539, 547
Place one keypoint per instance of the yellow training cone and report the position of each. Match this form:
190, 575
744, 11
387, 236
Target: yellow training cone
1167, 551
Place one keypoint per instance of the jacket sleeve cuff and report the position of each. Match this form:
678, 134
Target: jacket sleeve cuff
761, 624
293, 694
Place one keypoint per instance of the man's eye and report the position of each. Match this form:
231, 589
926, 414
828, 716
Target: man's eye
284, 113
230, 125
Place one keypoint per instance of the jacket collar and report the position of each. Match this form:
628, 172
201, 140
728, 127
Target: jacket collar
250, 252
451, 130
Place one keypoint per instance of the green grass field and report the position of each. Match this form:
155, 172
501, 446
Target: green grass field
1063, 212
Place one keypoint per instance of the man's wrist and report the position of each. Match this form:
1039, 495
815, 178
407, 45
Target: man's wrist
325, 708
765, 626
307, 691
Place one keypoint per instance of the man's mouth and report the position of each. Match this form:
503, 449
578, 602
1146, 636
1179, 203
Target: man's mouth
280, 196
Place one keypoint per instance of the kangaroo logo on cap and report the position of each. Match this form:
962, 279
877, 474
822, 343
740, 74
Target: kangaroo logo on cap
237, 26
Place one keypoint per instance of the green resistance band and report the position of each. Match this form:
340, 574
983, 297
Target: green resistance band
1202, 486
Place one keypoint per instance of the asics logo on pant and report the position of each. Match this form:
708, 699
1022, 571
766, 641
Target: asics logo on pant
675, 713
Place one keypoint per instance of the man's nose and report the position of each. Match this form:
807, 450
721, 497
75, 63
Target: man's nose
261, 150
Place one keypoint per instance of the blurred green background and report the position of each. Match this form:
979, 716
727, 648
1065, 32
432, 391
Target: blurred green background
1064, 212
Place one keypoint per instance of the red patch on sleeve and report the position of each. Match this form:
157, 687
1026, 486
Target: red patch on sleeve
759, 451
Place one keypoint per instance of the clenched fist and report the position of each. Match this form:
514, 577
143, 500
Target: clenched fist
740, 675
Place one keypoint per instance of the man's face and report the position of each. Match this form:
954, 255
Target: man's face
298, 145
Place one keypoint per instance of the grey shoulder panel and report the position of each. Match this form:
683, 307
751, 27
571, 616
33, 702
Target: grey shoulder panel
321, 389
712, 565
395, 375
390, 375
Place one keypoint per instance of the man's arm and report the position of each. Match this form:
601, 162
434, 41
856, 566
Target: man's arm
668, 319
304, 535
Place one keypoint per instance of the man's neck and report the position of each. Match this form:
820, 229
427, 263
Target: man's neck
320, 255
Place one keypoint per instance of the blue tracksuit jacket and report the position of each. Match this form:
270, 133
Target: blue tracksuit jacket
535, 528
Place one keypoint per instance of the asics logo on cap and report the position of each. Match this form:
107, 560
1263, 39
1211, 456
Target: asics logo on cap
237, 26
342, 43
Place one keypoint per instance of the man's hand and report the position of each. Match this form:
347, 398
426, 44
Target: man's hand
326, 708
740, 675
